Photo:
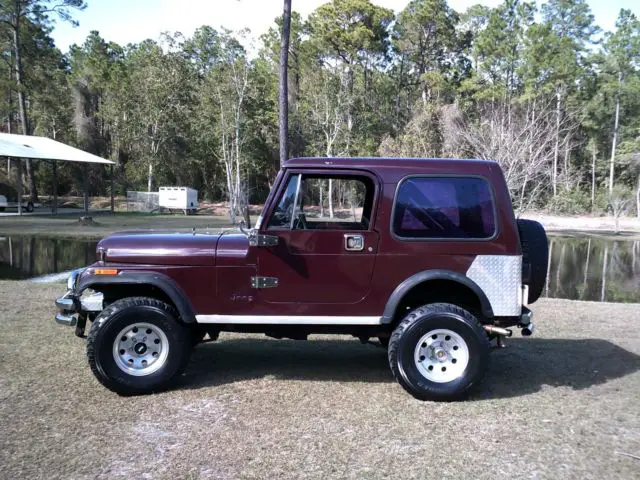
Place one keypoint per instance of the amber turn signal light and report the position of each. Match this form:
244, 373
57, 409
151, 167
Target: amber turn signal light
106, 271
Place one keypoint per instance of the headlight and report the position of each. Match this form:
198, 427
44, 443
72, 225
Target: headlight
73, 277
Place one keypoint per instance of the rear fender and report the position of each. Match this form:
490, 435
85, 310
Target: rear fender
421, 277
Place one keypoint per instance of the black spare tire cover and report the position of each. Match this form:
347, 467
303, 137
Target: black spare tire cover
535, 256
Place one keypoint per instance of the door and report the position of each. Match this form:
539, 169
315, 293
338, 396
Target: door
327, 247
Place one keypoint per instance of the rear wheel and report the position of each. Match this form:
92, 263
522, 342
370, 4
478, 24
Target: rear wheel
137, 345
438, 352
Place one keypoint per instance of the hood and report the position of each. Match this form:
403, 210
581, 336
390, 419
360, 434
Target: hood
160, 248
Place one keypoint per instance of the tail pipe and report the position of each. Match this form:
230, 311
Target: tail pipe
492, 329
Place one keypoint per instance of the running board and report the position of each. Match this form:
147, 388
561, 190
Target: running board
287, 320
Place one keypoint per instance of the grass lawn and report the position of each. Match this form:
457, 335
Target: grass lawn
67, 225
106, 223
562, 404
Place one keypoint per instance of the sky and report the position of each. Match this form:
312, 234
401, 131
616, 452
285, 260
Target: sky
131, 21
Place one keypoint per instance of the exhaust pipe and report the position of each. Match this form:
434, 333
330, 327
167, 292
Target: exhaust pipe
528, 330
497, 330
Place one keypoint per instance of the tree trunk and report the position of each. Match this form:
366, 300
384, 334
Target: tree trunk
111, 188
10, 104
150, 177
566, 168
556, 147
19, 177
33, 193
85, 182
284, 87
54, 171
615, 135
593, 178
398, 92
330, 198
522, 192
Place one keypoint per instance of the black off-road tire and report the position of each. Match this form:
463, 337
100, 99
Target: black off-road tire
411, 330
112, 320
535, 256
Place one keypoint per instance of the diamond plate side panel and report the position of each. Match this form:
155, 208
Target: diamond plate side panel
500, 278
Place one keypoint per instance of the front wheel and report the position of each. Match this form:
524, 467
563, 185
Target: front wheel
137, 345
439, 352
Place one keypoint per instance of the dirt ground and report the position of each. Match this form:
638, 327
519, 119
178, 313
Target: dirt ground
562, 404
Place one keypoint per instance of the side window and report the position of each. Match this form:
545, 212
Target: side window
325, 203
444, 207
281, 216
334, 203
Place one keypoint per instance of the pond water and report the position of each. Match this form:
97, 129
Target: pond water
23, 257
580, 268
603, 270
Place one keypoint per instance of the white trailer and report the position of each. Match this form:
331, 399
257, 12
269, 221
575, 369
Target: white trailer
179, 198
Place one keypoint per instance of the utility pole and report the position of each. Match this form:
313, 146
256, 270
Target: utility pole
283, 89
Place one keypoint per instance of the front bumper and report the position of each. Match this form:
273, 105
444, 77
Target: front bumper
67, 311
73, 310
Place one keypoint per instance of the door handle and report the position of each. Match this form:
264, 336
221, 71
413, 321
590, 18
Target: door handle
353, 242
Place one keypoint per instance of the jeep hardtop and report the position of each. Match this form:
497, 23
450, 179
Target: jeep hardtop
423, 255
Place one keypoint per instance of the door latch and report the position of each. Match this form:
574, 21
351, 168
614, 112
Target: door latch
353, 242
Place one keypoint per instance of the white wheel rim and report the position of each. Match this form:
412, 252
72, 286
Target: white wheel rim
441, 355
140, 349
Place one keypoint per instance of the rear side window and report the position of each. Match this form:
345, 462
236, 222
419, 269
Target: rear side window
444, 207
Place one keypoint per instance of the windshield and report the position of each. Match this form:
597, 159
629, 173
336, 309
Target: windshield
268, 200
283, 213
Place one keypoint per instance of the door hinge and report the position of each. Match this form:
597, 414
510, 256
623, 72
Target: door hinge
264, 282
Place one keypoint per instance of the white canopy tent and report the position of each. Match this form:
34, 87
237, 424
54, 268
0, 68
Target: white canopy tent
42, 148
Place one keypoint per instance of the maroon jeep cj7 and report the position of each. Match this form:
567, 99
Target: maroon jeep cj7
423, 254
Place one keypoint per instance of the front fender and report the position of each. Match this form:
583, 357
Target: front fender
128, 277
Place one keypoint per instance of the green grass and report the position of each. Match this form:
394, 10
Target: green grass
106, 223
562, 404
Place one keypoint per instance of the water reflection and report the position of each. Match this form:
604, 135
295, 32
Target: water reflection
28, 257
593, 269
